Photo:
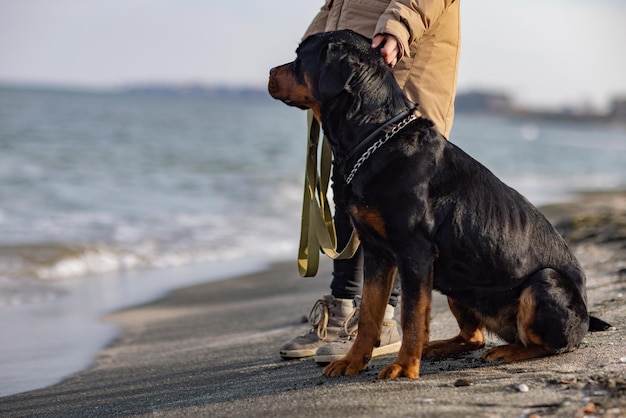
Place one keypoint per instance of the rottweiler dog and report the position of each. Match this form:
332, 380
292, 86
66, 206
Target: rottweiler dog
426, 210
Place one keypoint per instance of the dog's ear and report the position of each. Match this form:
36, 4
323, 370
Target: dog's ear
336, 71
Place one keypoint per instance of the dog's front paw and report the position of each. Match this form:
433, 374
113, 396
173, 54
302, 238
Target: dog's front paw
345, 367
396, 370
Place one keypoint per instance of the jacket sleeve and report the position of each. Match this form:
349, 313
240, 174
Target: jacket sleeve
407, 20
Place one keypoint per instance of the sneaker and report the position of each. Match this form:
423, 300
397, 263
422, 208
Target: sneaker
390, 339
327, 318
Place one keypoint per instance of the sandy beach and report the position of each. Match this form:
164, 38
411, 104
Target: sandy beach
212, 350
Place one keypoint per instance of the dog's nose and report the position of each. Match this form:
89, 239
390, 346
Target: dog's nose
272, 70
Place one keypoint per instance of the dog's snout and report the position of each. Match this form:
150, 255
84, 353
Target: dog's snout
278, 67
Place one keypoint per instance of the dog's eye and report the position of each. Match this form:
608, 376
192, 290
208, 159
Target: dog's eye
295, 66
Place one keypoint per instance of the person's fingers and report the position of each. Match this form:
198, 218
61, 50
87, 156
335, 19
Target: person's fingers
390, 50
391, 47
377, 40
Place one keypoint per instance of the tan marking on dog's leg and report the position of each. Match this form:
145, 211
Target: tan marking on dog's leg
530, 345
415, 332
375, 297
471, 335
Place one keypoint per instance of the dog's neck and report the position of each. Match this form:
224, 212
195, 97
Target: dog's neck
345, 133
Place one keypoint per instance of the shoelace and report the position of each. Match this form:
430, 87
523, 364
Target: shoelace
318, 318
351, 326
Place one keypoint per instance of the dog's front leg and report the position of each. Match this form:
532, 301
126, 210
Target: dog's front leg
377, 284
417, 286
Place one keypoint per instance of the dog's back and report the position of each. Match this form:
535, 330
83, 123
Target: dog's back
489, 236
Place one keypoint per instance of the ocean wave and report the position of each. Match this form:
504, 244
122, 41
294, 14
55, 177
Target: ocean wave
57, 261
49, 262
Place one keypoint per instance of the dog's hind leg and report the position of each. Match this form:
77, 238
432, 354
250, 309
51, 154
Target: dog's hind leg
551, 318
471, 336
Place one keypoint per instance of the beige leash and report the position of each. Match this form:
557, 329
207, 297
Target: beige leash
317, 231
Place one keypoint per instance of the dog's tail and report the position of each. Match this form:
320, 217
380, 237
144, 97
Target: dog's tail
596, 324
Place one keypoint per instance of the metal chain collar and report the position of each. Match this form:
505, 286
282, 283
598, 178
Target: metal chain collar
376, 145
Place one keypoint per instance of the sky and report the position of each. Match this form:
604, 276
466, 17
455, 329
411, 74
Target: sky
544, 53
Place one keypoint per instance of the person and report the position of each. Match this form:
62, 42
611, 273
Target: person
420, 40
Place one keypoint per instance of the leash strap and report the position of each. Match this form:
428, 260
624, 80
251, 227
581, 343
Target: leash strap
317, 230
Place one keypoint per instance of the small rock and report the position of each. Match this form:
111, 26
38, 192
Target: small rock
590, 408
622, 360
427, 400
522, 388
463, 382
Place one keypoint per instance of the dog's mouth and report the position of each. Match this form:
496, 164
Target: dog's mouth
277, 93
284, 86
288, 101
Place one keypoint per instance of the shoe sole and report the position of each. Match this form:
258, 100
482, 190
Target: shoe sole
295, 354
324, 359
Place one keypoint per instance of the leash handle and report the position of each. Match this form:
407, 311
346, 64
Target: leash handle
317, 229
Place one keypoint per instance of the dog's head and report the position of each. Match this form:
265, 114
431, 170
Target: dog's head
336, 72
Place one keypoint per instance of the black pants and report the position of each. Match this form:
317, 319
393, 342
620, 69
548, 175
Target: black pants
348, 274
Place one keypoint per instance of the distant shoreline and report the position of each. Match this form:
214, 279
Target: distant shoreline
477, 102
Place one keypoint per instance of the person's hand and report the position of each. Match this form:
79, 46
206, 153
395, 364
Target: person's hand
390, 50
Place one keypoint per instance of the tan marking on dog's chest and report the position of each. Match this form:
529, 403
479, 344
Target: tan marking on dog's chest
370, 217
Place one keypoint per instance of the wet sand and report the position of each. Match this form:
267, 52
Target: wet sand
212, 350
47, 340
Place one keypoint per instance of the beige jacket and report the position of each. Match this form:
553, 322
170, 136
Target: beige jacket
428, 33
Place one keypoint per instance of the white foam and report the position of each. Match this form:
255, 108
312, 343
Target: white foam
91, 262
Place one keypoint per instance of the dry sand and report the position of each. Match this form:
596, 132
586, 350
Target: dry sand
212, 350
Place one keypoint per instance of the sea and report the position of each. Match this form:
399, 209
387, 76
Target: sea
109, 199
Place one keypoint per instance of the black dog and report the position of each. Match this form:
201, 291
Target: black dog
425, 209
